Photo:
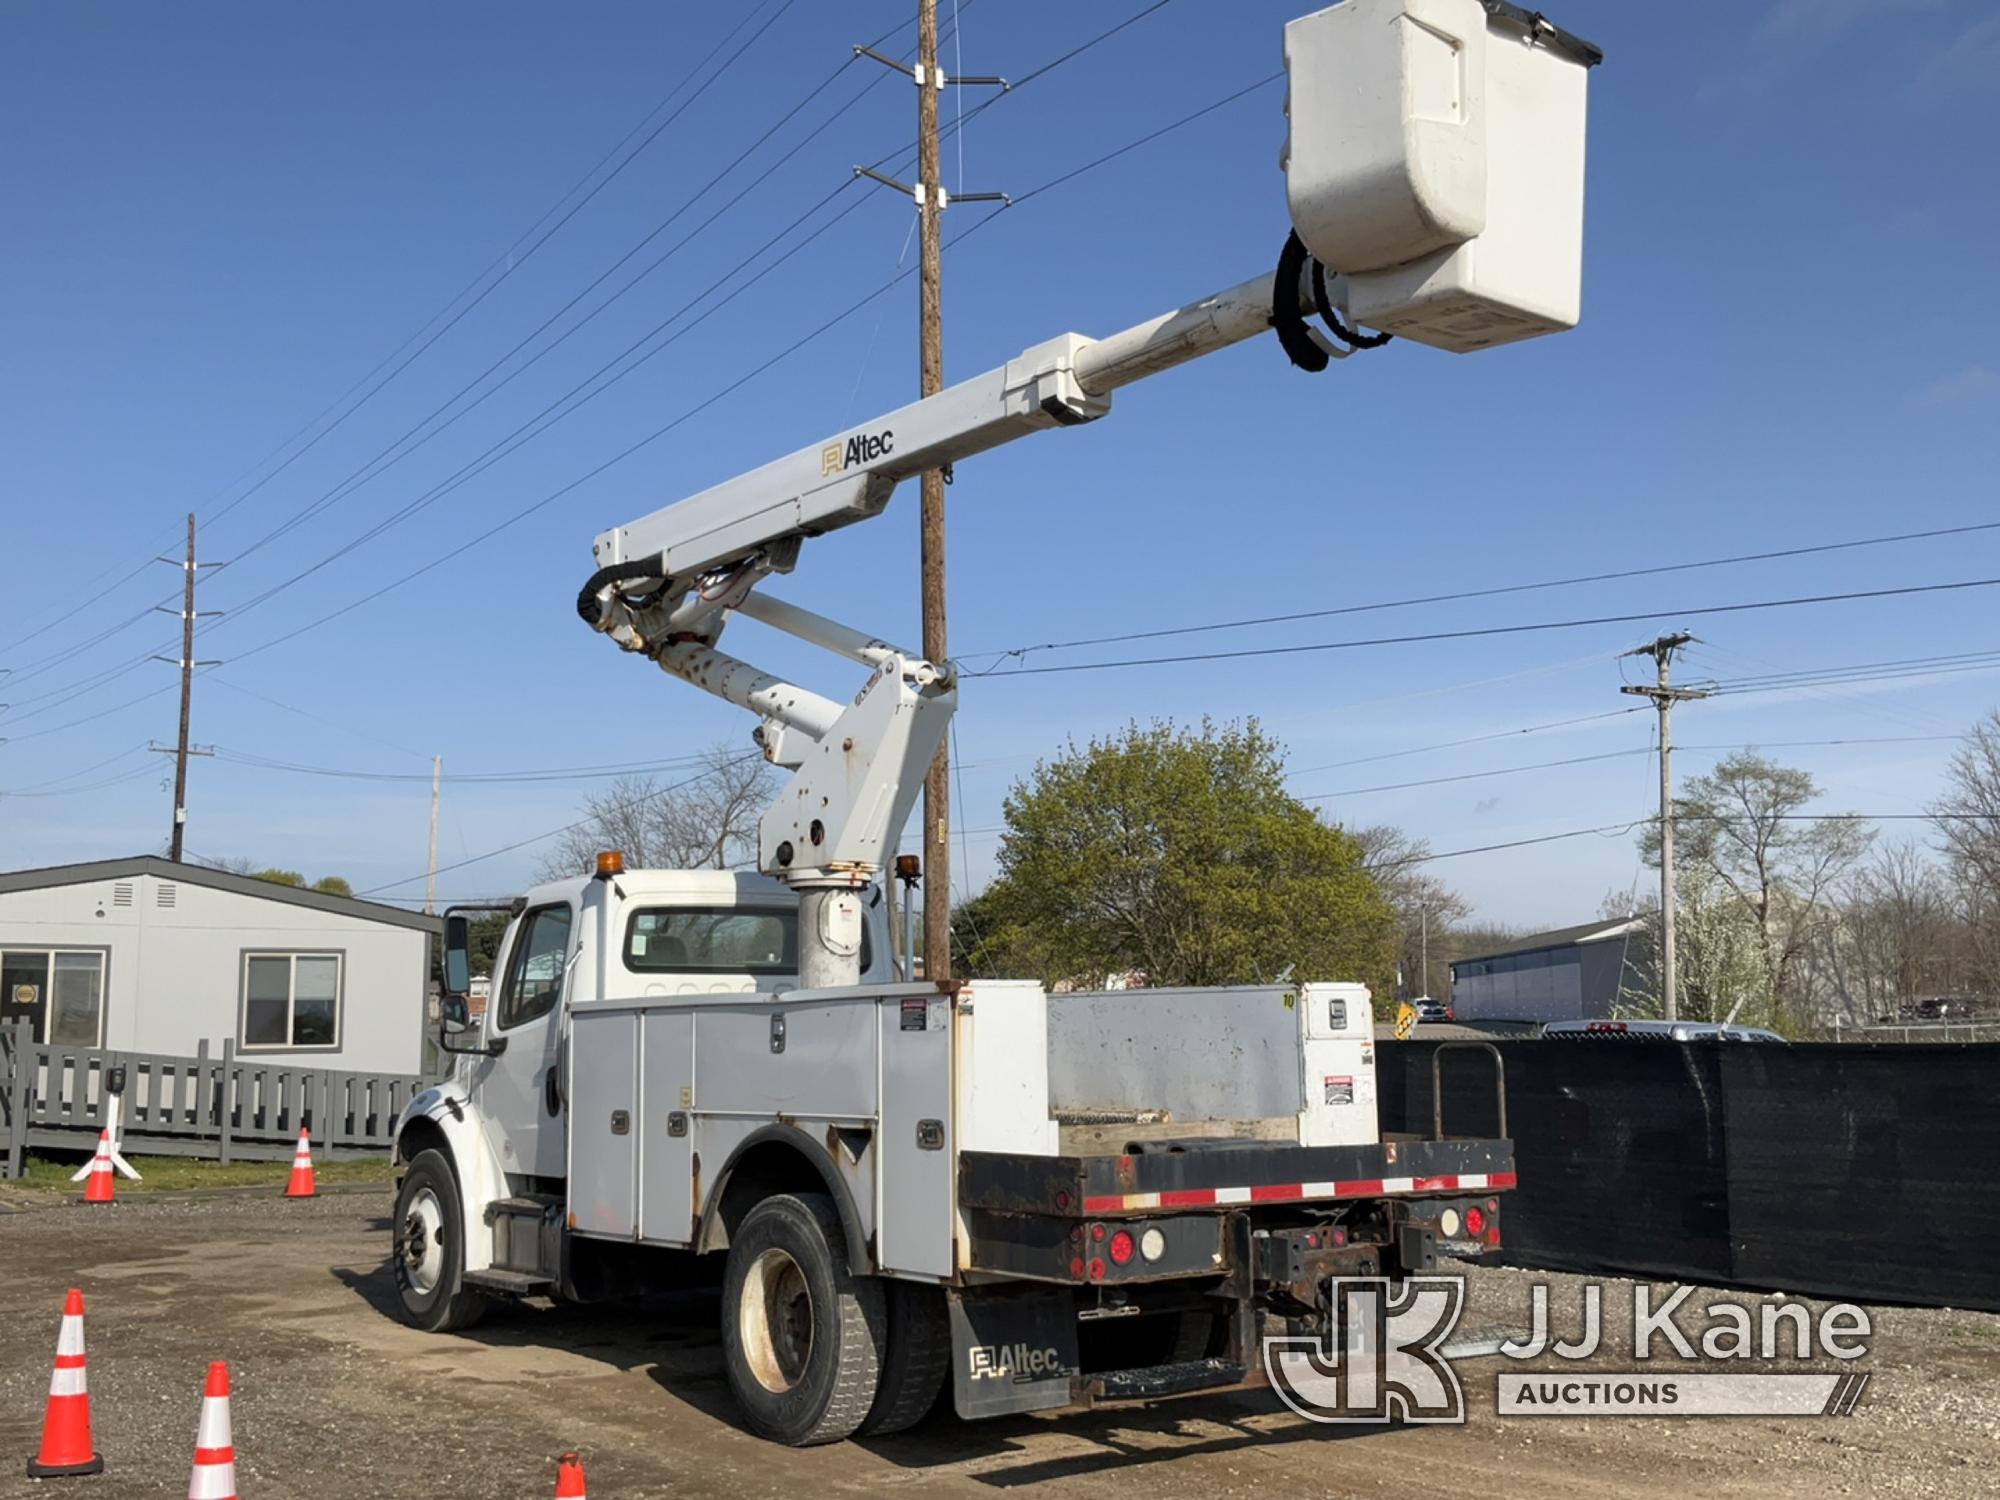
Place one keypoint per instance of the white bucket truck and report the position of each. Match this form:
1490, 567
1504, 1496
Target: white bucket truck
1041, 1200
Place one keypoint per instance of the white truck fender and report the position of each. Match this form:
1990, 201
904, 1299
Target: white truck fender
443, 1117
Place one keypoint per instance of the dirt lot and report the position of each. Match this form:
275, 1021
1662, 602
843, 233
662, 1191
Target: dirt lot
336, 1399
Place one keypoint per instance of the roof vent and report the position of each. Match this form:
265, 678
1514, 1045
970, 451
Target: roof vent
165, 895
121, 893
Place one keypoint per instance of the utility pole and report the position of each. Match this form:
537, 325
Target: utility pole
187, 613
431, 872
930, 196
1664, 696
1424, 950
930, 319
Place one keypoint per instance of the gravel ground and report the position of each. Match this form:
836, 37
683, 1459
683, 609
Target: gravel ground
333, 1398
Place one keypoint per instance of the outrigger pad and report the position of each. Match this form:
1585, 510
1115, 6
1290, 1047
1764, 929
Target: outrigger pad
1012, 1350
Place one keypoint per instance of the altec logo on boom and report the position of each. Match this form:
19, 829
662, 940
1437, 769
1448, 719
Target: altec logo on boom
863, 448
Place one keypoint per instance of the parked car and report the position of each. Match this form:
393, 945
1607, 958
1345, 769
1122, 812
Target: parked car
1428, 1009
1655, 1031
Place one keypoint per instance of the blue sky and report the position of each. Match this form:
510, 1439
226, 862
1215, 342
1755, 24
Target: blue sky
220, 218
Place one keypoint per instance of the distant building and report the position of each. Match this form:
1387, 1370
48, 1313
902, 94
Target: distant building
144, 955
1571, 974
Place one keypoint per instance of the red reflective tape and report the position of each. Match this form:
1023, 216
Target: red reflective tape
1432, 1184
1371, 1188
1111, 1205
1188, 1198
215, 1455
69, 1361
1500, 1179
1278, 1192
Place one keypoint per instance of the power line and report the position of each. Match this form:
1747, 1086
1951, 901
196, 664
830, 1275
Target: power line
690, 413
536, 838
1476, 739
388, 457
1459, 595
1577, 760
715, 396
467, 778
1490, 630
508, 261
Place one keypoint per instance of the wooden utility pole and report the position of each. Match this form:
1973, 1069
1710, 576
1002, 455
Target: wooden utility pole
930, 317
930, 196
187, 662
1664, 696
431, 872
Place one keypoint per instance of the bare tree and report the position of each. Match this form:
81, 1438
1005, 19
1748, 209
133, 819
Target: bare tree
1743, 824
1967, 818
1427, 910
705, 821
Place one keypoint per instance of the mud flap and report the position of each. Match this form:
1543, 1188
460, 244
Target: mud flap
1012, 1350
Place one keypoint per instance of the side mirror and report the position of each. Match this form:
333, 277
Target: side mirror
453, 1011
457, 966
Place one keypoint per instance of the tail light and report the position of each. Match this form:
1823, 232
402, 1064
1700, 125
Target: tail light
1123, 1247
1475, 1222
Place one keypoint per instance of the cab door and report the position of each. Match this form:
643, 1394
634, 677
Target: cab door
519, 1091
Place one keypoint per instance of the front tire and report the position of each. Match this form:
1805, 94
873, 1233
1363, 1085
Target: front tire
802, 1335
428, 1249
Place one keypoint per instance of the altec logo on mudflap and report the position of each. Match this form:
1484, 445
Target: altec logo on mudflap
1014, 1362
862, 448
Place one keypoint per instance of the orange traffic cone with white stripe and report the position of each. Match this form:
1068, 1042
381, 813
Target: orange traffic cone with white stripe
301, 1185
214, 1476
569, 1478
66, 1447
97, 1187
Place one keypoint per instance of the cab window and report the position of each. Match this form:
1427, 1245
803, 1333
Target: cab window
535, 972
718, 940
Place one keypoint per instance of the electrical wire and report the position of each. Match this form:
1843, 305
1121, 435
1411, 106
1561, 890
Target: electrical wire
1460, 595
536, 838
1491, 630
507, 262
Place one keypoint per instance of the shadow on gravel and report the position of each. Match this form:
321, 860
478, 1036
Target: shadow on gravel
674, 1339
943, 1442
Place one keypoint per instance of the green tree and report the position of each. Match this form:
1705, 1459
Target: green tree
279, 877
333, 885
1179, 854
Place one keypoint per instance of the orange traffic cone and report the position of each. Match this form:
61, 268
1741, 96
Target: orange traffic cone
301, 1185
214, 1476
66, 1445
97, 1186
569, 1478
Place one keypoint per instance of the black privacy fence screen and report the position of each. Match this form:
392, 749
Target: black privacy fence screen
1855, 1172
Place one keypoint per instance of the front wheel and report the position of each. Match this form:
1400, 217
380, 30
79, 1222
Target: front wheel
802, 1335
428, 1249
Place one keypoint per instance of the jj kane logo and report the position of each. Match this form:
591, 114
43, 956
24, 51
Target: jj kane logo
862, 448
1383, 1356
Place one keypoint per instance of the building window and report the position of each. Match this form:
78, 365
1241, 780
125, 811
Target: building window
60, 991
291, 1002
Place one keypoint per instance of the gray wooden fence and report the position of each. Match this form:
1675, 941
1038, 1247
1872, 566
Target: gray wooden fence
227, 1108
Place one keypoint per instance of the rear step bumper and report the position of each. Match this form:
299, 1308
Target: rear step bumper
1156, 1381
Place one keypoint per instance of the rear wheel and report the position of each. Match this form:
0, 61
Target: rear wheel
917, 1361
428, 1249
803, 1337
